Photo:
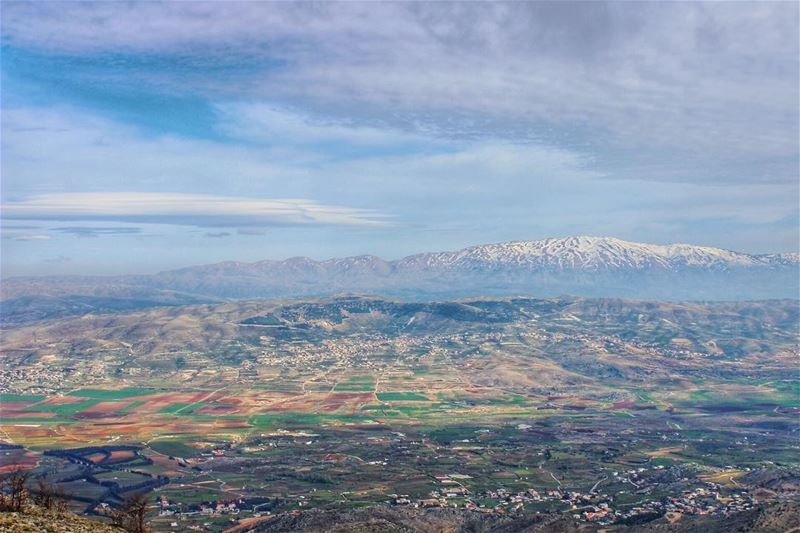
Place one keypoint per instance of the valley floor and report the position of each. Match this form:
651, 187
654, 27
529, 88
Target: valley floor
593, 414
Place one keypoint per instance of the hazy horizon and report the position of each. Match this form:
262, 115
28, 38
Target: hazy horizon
121, 269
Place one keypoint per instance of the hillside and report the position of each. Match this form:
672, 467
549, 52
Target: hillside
34, 520
780, 518
579, 266
624, 413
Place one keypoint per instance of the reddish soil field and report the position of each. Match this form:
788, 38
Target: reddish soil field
121, 455
273, 396
331, 407
14, 406
11, 460
156, 402
21, 413
103, 408
62, 400
95, 457
218, 409
299, 403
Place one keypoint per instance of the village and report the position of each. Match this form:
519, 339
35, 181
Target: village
592, 506
582, 506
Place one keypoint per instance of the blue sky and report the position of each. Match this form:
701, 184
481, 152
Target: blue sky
138, 137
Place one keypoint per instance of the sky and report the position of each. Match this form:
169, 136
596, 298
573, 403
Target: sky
139, 137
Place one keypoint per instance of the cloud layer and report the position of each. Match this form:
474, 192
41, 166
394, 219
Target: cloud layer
182, 209
711, 89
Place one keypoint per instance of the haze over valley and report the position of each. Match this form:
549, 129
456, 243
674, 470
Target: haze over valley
583, 266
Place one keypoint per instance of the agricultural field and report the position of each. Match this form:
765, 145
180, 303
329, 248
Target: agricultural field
501, 406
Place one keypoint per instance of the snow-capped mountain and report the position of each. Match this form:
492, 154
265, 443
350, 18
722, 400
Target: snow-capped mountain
581, 266
591, 254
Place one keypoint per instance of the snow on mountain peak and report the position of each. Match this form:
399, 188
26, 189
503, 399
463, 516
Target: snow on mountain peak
587, 253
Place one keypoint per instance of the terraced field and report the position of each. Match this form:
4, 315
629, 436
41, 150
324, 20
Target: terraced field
343, 403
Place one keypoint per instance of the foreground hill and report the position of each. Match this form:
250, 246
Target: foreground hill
42, 522
770, 518
583, 266
775, 518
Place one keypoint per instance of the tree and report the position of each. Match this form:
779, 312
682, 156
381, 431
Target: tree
131, 513
15, 493
44, 495
19, 493
60, 501
50, 497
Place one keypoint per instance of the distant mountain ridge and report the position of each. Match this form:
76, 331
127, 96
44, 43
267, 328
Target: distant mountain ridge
571, 253
597, 253
580, 266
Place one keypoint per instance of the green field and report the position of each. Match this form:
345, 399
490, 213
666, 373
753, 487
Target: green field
64, 409
397, 396
115, 394
183, 408
356, 384
30, 398
131, 406
302, 420
173, 448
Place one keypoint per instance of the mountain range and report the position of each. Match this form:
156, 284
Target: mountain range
581, 266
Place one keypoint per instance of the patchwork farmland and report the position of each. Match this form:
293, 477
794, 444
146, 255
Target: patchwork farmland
515, 408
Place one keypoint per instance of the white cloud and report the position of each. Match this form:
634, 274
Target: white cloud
32, 238
65, 151
184, 209
714, 85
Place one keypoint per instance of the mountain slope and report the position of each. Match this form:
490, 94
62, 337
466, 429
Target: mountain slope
591, 254
44, 522
589, 266
583, 266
